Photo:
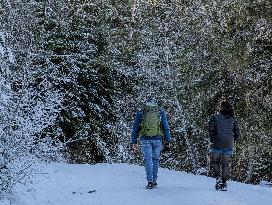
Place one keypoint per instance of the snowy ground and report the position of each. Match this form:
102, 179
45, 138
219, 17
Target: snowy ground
122, 184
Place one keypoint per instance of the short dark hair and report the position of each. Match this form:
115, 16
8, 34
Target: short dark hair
226, 108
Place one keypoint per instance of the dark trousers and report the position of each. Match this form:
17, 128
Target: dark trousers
221, 160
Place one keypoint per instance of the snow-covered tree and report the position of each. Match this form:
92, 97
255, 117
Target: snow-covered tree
27, 108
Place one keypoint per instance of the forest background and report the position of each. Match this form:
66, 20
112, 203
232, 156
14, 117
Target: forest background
74, 72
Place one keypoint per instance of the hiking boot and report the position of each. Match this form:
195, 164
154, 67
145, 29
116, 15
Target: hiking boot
218, 183
224, 186
155, 184
150, 185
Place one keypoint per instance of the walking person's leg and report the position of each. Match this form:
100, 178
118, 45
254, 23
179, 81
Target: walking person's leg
216, 157
148, 162
157, 146
225, 162
226, 159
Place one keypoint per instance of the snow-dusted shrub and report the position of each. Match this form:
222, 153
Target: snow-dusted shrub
25, 113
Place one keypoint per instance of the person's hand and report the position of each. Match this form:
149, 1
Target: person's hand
134, 147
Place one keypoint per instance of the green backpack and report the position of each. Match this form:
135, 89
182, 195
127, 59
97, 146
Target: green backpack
151, 123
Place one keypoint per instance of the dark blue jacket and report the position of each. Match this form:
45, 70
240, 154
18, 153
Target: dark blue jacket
138, 121
223, 131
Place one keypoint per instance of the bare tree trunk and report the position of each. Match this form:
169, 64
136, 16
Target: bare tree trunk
133, 13
208, 158
251, 162
190, 152
133, 9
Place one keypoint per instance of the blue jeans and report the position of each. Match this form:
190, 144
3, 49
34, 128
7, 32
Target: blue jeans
224, 151
221, 157
151, 150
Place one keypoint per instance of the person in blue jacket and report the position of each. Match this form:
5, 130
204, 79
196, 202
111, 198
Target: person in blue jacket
224, 131
151, 125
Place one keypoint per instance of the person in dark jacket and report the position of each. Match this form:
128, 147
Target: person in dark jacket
151, 125
223, 132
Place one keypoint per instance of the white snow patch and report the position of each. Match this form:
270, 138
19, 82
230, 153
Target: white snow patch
123, 184
4, 50
2, 41
1, 50
265, 184
10, 56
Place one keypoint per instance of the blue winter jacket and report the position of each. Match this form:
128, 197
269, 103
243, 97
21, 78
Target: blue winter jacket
138, 121
223, 130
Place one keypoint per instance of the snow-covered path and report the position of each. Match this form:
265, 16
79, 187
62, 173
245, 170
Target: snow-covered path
122, 184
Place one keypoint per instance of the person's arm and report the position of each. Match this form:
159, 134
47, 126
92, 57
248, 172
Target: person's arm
136, 128
165, 126
212, 128
236, 130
